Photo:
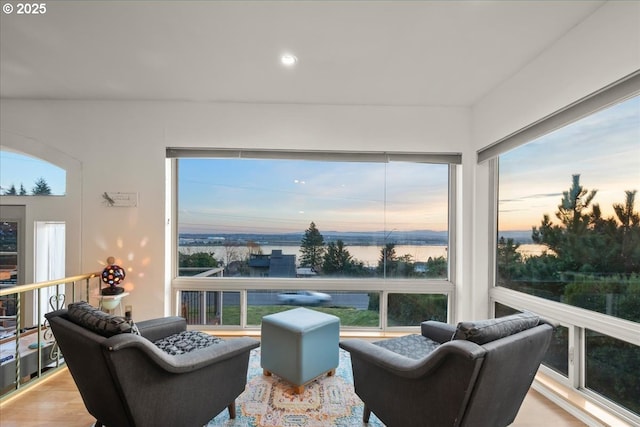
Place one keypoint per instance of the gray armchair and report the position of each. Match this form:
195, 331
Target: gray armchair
125, 380
477, 374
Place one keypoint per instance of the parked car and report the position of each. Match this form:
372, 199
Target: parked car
303, 298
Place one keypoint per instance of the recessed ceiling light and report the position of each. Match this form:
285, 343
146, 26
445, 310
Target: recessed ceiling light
288, 60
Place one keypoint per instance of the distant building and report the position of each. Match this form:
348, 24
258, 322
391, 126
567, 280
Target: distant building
274, 265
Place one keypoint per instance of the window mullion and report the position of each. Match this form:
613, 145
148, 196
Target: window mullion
576, 357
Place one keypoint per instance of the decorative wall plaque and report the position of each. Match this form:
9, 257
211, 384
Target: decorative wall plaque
122, 200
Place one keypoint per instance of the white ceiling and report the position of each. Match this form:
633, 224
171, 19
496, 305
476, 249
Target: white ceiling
438, 53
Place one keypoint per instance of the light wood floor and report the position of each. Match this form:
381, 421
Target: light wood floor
57, 403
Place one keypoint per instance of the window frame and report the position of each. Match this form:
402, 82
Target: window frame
245, 284
576, 319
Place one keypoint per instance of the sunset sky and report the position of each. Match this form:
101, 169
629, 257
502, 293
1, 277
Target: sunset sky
604, 149
246, 195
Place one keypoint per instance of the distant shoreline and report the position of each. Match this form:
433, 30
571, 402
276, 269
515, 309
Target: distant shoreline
368, 254
373, 238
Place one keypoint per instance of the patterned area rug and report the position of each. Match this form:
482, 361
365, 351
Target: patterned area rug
270, 401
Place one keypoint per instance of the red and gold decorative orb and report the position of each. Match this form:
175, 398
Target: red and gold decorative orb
112, 275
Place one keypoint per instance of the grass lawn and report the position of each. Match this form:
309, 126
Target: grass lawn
347, 316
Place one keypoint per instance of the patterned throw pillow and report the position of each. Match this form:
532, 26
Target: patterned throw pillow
89, 317
185, 342
412, 346
484, 331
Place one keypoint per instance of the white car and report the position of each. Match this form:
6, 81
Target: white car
303, 298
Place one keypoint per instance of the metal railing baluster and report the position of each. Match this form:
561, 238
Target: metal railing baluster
56, 302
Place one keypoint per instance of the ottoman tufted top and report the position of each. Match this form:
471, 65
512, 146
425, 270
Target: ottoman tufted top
300, 319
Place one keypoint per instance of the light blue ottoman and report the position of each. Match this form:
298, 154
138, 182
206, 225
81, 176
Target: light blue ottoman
299, 345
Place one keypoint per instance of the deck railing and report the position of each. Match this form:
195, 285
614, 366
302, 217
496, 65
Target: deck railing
28, 351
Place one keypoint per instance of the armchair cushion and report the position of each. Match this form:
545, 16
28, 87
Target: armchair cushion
438, 331
92, 318
155, 329
185, 342
412, 346
484, 331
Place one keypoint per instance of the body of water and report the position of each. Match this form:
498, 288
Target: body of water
369, 254
532, 249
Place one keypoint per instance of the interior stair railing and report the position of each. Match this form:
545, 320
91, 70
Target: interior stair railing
28, 352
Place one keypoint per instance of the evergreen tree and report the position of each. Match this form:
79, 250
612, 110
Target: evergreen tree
23, 191
388, 262
586, 242
11, 191
41, 188
337, 259
593, 262
437, 267
546, 267
509, 260
312, 248
604, 243
570, 240
405, 267
629, 233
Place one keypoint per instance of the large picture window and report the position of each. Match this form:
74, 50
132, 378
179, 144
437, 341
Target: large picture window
363, 236
568, 216
301, 218
568, 230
